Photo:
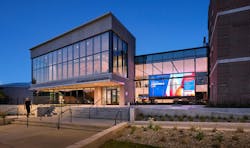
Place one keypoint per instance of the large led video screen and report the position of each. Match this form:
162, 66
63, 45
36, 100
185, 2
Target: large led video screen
171, 85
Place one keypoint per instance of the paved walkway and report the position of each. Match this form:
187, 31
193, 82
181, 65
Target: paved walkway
19, 136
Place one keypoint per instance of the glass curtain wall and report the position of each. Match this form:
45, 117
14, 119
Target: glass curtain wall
83, 58
174, 65
120, 56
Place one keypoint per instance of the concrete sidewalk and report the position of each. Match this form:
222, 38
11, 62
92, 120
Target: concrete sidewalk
19, 136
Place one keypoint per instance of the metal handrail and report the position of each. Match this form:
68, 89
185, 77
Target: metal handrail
93, 106
116, 116
60, 117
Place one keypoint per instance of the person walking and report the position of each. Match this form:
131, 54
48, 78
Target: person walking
27, 105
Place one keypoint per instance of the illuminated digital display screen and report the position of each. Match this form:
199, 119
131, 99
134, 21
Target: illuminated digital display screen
170, 85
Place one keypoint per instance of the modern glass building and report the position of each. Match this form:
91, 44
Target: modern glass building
88, 65
180, 74
96, 64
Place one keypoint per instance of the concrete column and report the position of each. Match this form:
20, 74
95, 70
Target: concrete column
98, 95
122, 95
131, 114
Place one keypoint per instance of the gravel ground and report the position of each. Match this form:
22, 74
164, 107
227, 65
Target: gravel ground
193, 137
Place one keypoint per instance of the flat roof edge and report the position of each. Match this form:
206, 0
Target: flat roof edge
67, 32
170, 51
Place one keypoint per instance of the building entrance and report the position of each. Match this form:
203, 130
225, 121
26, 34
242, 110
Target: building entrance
112, 96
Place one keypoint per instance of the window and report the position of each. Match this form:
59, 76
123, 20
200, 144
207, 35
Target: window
76, 51
97, 44
89, 65
70, 69
70, 53
83, 66
59, 71
64, 71
59, 56
54, 57
105, 62
97, 63
76, 67
105, 41
89, 47
82, 49
65, 54
54, 72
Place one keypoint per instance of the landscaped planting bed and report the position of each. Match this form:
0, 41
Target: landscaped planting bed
196, 118
154, 135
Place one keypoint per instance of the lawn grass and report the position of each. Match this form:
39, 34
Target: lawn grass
123, 144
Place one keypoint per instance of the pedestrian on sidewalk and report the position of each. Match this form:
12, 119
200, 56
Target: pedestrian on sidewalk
27, 106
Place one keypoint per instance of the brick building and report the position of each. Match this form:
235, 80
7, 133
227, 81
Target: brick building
229, 41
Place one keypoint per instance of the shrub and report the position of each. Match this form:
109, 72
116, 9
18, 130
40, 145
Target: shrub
240, 130
245, 117
242, 119
202, 119
163, 118
231, 117
190, 118
219, 137
144, 128
214, 130
156, 127
166, 115
137, 137
180, 118
192, 128
235, 138
175, 128
162, 139
171, 118
133, 129
199, 136
197, 116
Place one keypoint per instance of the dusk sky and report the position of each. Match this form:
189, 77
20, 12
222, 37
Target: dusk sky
158, 25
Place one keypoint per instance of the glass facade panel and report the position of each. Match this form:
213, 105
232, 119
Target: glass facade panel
83, 66
120, 56
59, 71
65, 71
201, 64
89, 65
105, 41
82, 49
54, 57
70, 53
76, 51
54, 72
59, 56
89, 44
97, 44
105, 62
70, 69
65, 54
76, 68
90, 56
97, 63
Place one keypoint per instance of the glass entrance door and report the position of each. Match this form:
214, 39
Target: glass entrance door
112, 97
